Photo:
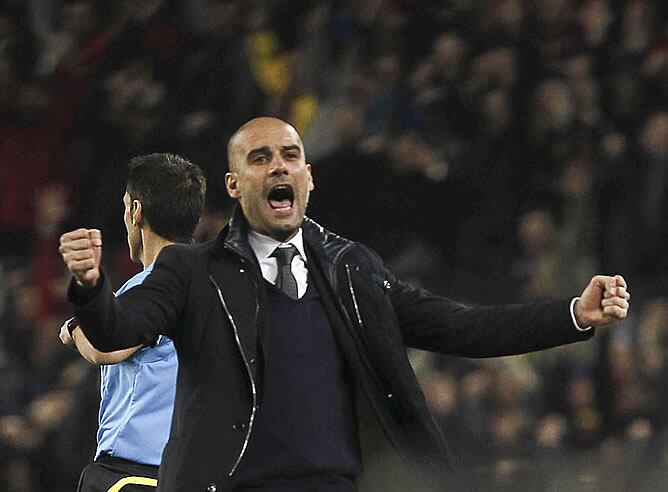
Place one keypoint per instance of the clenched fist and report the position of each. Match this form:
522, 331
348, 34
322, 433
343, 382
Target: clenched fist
603, 301
81, 250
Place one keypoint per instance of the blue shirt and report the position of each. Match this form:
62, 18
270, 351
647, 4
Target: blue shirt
138, 399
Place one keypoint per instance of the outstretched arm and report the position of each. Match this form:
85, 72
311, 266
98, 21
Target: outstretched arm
78, 341
437, 324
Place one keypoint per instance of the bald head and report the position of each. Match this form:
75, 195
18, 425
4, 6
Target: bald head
269, 176
241, 142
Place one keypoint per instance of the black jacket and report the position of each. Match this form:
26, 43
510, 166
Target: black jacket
209, 299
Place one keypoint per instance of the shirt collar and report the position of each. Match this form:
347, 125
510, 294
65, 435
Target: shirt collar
263, 246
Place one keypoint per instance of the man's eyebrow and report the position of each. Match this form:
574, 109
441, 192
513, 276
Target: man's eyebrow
260, 150
291, 147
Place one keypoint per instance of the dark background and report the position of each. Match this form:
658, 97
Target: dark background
492, 151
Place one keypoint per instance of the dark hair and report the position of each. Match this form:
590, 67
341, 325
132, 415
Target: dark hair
171, 190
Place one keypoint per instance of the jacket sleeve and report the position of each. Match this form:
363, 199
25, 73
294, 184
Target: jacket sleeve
140, 314
430, 322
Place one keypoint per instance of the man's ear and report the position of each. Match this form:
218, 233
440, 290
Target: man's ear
232, 183
311, 185
136, 212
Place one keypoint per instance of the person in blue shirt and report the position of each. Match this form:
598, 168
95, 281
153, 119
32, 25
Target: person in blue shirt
163, 202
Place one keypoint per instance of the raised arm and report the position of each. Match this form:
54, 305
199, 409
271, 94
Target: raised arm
138, 316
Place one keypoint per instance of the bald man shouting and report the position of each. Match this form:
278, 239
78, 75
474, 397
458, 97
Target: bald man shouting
293, 372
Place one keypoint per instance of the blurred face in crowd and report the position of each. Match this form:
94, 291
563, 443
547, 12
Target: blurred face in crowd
449, 50
548, 11
655, 135
33, 102
349, 124
223, 19
536, 231
595, 18
554, 104
269, 176
80, 19
496, 110
142, 10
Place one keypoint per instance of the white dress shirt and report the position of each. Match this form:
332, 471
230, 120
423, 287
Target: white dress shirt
263, 247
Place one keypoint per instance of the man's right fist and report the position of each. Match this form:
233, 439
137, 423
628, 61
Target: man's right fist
81, 250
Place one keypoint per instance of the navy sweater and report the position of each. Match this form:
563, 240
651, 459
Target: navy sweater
305, 433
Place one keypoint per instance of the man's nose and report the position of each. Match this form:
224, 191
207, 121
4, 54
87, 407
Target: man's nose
278, 167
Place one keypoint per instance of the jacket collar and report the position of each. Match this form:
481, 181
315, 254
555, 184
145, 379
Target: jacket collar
325, 245
235, 235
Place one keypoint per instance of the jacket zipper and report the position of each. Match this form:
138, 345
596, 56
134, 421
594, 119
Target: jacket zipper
358, 314
361, 325
354, 297
250, 376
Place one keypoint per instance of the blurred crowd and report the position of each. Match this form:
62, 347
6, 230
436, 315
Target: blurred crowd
490, 150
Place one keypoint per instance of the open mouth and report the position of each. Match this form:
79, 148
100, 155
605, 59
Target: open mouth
281, 197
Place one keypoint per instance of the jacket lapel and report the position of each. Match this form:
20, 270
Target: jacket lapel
239, 300
236, 273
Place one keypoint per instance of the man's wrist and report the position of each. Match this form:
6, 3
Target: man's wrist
85, 285
574, 317
72, 323
80, 295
